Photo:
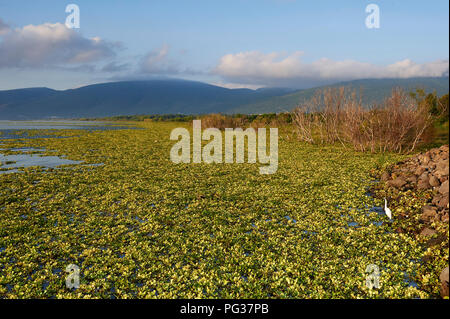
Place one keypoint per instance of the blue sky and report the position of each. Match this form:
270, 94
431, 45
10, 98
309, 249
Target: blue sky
246, 43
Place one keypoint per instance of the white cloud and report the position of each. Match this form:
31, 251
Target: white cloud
407, 68
4, 28
157, 62
115, 67
50, 44
278, 69
236, 85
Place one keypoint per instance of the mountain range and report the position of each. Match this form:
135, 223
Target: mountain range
181, 97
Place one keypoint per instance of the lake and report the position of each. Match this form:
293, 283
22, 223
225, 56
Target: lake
27, 157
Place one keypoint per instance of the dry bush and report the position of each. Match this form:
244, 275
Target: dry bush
337, 115
281, 120
305, 121
397, 125
258, 123
402, 123
261, 122
320, 119
221, 121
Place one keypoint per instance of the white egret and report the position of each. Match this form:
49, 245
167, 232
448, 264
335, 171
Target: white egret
387, 210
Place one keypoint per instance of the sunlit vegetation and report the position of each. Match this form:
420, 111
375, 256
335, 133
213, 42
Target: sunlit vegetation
140, 226
437, 133
402, 123
222, 121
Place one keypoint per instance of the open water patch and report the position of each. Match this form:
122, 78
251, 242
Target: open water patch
12, 162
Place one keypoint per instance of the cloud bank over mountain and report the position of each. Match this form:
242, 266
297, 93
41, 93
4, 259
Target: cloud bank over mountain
278, 69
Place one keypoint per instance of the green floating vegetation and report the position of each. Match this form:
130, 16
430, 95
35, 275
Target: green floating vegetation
140, 226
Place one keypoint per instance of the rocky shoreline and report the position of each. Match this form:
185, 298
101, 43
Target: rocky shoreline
418, 189
428, 171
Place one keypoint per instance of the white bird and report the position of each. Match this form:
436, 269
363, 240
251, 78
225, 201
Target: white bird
387, 210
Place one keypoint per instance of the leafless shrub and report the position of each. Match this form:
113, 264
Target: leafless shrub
305, 118
337, 115
221, 121
320, 119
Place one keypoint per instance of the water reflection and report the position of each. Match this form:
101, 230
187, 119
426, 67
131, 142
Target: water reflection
20, 129
23, 129
56, 125
12, 162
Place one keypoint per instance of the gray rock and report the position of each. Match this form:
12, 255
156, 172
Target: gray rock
424, 176
434, 181
442, 165
399, 182
411, 179
440, 173
423, 184
385, 176
427, 232
444, 188
419, 171
444, 282
425, 159
429, 213
443, 201
436, 199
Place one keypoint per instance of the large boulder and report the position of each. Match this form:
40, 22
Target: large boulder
442, 165
385, 176
434, 181
423, 184
444, 282
427, 232
412, 179
419, 170
443, 201
425, 159
398, 182
429, 213
444, 187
